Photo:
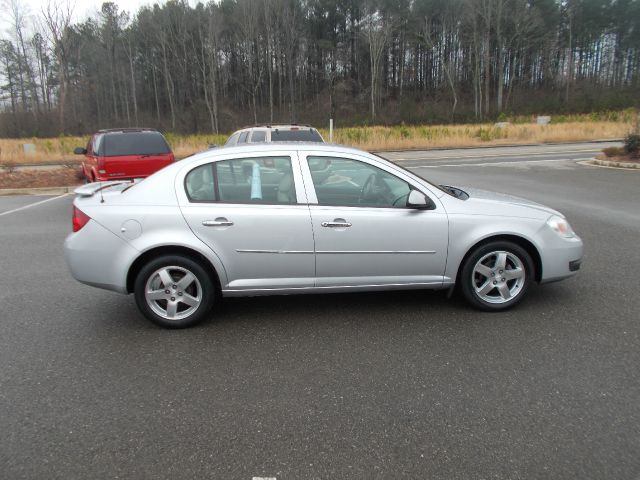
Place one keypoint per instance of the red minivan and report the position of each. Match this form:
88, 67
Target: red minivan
124, 153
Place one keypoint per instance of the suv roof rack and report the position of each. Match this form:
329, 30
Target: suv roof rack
277, 125
127, 129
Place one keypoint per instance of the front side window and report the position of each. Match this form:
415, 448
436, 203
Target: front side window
233, 139
351, 183
96, 146
243, 137
267, 180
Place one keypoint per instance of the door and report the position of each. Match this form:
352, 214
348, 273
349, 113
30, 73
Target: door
365, 234
252, 212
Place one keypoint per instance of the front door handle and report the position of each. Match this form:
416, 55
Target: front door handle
218, 222
336, 224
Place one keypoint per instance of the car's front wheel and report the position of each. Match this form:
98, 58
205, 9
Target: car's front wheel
496, 276
174, 291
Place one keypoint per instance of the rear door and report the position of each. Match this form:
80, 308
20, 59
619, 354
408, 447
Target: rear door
252, 212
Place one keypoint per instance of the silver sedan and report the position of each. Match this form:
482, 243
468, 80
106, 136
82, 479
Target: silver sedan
307, 218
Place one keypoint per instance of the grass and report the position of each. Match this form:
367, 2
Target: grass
522, 130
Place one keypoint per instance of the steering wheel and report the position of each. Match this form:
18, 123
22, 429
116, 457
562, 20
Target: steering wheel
401, 197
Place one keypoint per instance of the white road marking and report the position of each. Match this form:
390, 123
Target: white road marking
512, 154
33, 204
515, 164
263, 478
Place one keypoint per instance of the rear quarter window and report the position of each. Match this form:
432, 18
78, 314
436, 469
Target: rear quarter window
138, 143
301, 135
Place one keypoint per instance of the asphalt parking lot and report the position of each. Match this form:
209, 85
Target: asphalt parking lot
371, 385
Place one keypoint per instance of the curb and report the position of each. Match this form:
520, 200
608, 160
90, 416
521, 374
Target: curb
502, 145
38, 191
595, 162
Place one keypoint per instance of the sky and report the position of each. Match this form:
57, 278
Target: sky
84, 8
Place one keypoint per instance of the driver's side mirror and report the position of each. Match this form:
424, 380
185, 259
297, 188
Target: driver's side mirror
419, 201
80, 151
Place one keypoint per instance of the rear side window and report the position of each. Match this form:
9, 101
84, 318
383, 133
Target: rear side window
301, 135
200, 185
267, 180
258, 136
129, 143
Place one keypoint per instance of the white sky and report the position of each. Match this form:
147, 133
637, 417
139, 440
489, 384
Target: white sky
83, 8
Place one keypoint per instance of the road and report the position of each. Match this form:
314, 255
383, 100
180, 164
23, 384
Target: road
381, 385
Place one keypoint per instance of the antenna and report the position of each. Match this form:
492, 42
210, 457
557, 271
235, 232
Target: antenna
101, 195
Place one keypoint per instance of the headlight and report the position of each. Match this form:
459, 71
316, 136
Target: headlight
561, 226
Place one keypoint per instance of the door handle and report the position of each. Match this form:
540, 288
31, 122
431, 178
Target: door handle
218, 222
336, 224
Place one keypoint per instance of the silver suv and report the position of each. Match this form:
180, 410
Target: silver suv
274, 133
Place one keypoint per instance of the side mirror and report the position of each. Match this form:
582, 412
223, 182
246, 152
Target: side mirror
419, 201
80, 151
212, 145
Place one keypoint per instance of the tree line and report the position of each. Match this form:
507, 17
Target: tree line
217, 66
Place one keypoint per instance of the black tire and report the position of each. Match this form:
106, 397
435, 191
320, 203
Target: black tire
202, 288
470, 280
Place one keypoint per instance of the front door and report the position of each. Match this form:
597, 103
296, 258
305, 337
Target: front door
364, 233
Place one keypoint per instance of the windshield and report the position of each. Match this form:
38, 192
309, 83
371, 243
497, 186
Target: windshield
308, 135
133, 143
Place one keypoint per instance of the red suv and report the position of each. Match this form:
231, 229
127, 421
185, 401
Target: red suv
124, 153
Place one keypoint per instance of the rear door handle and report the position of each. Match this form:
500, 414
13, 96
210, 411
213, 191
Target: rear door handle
218, 222
336, 224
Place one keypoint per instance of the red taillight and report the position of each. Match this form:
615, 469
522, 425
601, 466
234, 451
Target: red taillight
79, 219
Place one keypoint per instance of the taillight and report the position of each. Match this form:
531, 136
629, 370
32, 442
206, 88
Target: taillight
79, 219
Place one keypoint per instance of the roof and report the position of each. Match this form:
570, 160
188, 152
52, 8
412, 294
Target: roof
279, 146
126, 129
277, 125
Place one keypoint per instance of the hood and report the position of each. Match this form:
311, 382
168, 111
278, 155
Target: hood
495, 199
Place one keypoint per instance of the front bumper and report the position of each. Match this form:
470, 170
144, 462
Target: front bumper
561, 258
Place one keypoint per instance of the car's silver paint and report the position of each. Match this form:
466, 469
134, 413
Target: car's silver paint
285, 249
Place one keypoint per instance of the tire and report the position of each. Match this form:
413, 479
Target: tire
496, 276
174, 291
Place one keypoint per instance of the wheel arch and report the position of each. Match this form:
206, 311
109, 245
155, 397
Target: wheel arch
527, 245
196, 256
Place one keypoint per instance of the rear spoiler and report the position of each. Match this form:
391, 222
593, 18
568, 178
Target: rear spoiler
90, 189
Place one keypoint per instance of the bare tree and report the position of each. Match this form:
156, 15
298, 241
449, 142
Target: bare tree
57, 17
376, 31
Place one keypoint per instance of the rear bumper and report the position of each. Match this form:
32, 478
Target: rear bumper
99, 258
109, 178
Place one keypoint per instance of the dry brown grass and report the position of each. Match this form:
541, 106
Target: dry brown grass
60, 150
452, 136
60, 177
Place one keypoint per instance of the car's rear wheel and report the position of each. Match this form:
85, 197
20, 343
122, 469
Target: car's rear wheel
496, 276
174, 291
